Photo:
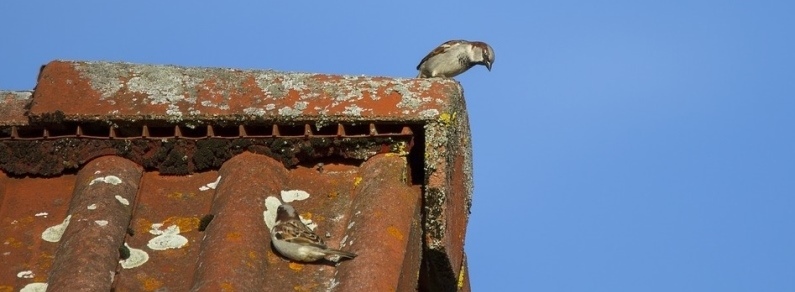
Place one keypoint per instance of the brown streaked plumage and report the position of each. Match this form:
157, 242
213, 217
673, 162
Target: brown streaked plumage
294, 240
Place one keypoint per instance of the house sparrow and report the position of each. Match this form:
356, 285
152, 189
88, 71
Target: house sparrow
297, 242
454, 57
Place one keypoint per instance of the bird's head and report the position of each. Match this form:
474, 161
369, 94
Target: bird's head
484, 54
285, 212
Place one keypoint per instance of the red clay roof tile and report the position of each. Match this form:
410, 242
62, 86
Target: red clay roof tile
386, 164
121, 91
12, 108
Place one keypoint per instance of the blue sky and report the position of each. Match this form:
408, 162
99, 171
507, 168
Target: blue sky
619, 145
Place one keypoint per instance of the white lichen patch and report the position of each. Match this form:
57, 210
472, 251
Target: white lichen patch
41, 214
110, 179
337, 218
25, 274
122, 200
269, 215
350, 225
166, 239
308, 222
101, 223
34, 287
335, 258
429, 113
294, 195
332, 283
137, 258
288, 111
92, 207
156, 229
352, 110
343, 240
210, 186
254, 111
54, 233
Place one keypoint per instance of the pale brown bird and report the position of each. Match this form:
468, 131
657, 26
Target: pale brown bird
455, 57
294, 240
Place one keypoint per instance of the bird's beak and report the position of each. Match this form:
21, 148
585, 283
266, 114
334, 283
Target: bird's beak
488, 66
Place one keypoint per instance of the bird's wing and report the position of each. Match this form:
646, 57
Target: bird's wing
297, 232
440, 50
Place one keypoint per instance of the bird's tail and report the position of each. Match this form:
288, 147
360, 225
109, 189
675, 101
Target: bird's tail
336, 255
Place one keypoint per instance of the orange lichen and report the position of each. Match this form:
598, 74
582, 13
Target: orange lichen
185, 224
142, 225
151, 284
296, 266
226, 286
306, 287
234, 236
13, 242
333, 195
181, 195
392, 230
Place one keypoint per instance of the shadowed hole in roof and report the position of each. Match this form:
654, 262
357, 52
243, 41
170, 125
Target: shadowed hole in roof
162, 132
327, 130
357, 130
194, 132
94, 130
28, 132
258, 130
226, 131
389, 128
292, 130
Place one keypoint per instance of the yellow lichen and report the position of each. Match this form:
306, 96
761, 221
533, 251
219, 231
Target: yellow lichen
461, 275
356, 181
446, 118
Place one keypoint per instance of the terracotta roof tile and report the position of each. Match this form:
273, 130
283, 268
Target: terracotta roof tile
12, 107
120, 91
89, 178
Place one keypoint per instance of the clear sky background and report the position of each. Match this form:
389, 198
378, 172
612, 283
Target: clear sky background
619, 145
